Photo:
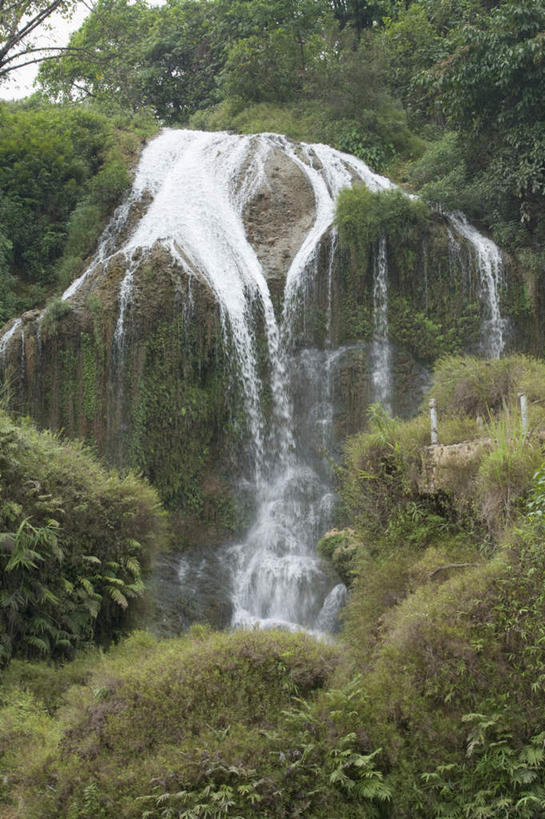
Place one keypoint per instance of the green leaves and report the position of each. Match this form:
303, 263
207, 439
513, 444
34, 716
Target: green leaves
363, 217
498, 779
65, 585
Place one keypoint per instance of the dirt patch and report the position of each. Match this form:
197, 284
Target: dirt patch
280, 215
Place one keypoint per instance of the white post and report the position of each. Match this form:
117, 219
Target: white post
523, 401
433, 421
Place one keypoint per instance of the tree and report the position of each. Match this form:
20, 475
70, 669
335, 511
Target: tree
491, 89
273, 45
165, 58
360, 14
19, 21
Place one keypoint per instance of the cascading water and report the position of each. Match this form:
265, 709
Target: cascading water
490, 268
197, 187
380, 351
8, 335
200, 184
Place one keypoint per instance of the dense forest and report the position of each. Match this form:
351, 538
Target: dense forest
429, 701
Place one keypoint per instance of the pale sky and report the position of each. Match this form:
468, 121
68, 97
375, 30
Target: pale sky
21, 82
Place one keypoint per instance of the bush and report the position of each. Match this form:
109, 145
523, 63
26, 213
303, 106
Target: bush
472, 386
364, 216
74, 540
56, 310
216, 724
62, 171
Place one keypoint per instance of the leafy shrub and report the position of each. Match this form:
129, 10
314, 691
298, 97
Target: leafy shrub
364, 216
56, 310
74, 539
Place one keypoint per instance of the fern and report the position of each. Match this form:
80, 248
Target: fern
118, 597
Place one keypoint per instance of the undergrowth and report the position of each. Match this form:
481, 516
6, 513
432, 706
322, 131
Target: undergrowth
74, 541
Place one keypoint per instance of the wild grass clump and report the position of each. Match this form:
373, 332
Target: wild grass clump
74, 541
480, 387
239, 724
379, 467
506, 471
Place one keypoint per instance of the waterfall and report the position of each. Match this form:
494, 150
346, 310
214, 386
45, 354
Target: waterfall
22, 365
380, 351
278, 578
490, 268
329, 313
199, 185
190, 195
7, 336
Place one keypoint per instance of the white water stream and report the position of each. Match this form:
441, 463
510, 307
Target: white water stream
199, 185
381, 354
490, 268
8, 335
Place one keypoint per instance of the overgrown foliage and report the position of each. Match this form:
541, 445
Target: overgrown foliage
62, 171
74, 541
364, 216
447, 573
204, 726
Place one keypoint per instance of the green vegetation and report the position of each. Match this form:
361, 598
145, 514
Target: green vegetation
364, 77
358, 75
441, 95
176, 407
430, 705
74, 541
433, 307
204, 726
62, 171
363, 217
445, 552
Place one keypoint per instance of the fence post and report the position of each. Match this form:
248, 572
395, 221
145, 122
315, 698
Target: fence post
433, 422
523, 401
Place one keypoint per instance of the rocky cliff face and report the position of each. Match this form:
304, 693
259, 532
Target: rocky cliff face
149, 367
